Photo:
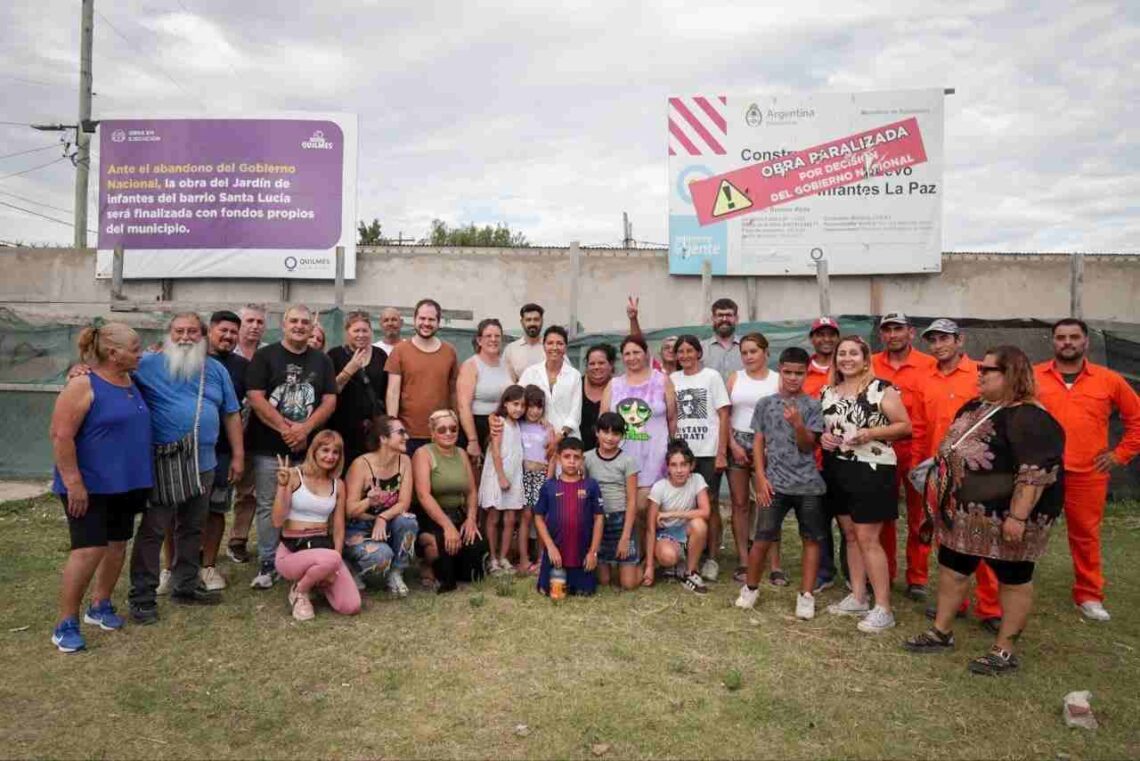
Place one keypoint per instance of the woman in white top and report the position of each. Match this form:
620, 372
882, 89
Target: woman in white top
745, 388
559, 381
482, 379
702, 423
309, 511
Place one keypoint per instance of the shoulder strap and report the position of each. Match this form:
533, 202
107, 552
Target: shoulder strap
989, 414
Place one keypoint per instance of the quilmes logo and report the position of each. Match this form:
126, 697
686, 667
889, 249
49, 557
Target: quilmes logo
754, 116
290, 263
119, 136
317, 142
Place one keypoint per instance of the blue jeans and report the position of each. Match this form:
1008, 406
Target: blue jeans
374, 557
265, 489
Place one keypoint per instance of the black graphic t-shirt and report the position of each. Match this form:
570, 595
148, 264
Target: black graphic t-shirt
294, 385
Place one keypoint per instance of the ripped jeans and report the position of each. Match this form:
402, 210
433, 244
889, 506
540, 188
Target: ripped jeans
372, 557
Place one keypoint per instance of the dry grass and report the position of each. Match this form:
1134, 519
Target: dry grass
497, 671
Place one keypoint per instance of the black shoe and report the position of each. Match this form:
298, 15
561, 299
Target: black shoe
915, 592
931, 612
930, 641
197, 596
237, 553
992, 624
994, 663
144, 615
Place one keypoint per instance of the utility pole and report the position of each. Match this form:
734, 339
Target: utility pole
626, 231
82, 136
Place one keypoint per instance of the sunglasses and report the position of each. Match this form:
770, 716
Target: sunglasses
983, 369
398, 432
447, 429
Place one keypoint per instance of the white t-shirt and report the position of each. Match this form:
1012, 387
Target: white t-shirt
674, 499
699, 396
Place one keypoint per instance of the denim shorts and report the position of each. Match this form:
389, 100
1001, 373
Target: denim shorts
674, 533
744, 439
809, 514
611, 535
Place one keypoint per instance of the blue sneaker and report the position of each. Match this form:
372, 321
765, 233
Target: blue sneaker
102, 614
67, 637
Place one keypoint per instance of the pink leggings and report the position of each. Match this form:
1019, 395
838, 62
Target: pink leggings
323, 569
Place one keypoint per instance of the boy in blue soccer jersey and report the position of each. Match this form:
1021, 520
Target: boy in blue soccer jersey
569, 517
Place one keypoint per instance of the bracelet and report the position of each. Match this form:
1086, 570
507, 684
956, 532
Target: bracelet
1019, 520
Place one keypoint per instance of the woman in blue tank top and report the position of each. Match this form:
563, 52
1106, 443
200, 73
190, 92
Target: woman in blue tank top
100, 435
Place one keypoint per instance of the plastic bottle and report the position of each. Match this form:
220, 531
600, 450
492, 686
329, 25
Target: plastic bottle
557, 583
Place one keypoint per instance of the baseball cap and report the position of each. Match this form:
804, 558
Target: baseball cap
824, 322
942, 325
894, 318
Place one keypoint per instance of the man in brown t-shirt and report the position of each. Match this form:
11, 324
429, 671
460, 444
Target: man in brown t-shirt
421, 375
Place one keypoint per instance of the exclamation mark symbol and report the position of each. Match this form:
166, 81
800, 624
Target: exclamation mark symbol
727, 189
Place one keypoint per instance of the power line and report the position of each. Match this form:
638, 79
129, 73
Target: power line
37, 214
30, 150
16, 124
158, 68
37, 203
34, 168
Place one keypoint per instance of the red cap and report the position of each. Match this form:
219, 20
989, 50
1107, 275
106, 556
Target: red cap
824, 322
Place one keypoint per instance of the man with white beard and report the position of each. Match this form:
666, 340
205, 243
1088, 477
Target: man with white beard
170, 382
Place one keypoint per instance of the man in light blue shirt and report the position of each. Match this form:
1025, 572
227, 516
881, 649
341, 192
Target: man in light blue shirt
170, 383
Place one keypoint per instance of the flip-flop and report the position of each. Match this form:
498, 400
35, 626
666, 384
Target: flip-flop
778, 579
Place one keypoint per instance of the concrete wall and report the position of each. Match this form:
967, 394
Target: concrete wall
48, 283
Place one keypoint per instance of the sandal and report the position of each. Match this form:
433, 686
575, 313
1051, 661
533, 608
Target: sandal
994, 663
778, 579
740, 575
930, 641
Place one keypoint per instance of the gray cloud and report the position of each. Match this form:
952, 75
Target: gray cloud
551, 119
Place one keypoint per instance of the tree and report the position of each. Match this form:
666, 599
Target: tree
469, 235
369, 235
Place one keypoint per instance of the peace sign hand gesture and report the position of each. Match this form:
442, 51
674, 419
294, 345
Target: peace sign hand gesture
282, 470
631, 307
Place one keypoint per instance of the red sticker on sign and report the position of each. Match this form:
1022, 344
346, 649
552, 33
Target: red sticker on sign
805, 173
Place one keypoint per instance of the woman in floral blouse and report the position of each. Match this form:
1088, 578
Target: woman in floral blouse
995, 490
862, 415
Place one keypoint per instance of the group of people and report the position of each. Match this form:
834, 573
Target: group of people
380, 455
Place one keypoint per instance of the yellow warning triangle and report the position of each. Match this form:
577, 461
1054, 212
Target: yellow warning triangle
729, 198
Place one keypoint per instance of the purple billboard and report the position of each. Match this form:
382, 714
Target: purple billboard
267, 197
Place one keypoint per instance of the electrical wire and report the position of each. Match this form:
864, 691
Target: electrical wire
25, 199
158, 68
41, 216
30, 150
34, 168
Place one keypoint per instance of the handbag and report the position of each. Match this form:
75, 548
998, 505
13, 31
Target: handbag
176, 477
301, 543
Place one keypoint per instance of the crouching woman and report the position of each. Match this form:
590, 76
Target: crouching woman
309, 512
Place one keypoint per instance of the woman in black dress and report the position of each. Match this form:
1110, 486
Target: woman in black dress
361, 384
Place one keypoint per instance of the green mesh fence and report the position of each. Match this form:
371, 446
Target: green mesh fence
38, 355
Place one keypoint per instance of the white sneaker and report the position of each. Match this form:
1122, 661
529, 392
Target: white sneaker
165, 582
747, 598
265, 577
495, 568
1094, 610
396, 583
710, 569
211, 579
878, 620
849, 606
805, 606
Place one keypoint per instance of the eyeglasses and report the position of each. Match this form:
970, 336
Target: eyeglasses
447, 429
983, 369
398, 432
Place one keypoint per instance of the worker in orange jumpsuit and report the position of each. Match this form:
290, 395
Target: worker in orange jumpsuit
942, 391
1081, 396
903, 365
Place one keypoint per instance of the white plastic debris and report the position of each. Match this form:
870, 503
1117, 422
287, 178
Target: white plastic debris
1078, 712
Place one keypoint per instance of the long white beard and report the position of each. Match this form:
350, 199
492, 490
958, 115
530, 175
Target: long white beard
184, 362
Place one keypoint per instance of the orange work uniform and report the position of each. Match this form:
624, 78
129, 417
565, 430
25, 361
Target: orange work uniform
1083, 411
939, 397
816, 379
906, 378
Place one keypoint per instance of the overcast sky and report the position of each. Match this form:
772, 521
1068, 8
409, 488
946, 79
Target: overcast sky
550, 117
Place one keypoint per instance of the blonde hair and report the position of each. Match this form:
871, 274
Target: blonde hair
835, 377
95, 342
355, 316
320, 440
439, 415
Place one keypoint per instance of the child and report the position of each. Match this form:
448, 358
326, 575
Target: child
678, 518
501, 488
616, 474
787, 425
569, 517
538, 465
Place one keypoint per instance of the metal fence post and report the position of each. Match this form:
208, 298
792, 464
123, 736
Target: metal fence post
575, 276
1076, 285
